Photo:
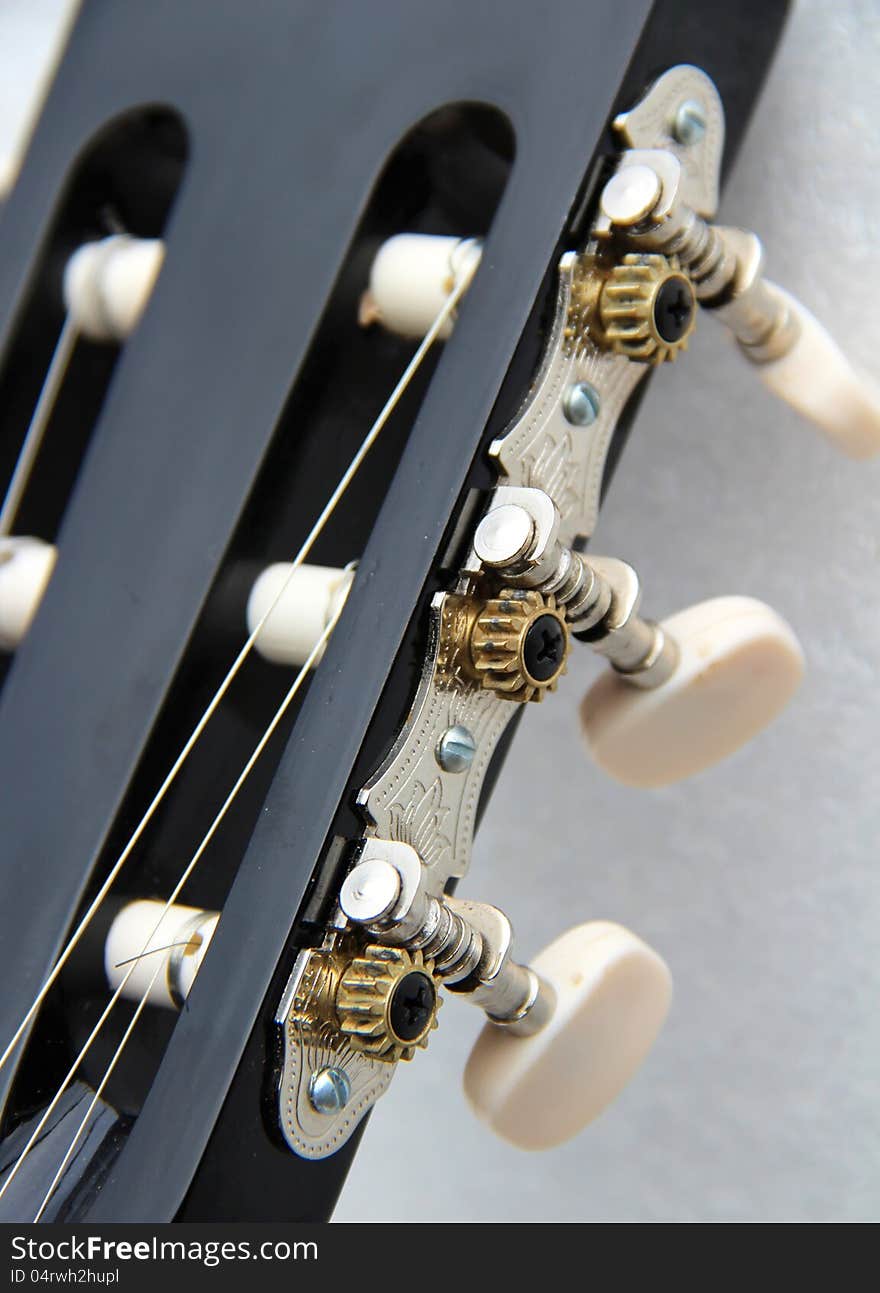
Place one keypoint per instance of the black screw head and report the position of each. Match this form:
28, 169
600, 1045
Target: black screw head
544, 648
674, 308
412, 1006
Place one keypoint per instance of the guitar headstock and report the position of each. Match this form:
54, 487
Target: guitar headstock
346, 360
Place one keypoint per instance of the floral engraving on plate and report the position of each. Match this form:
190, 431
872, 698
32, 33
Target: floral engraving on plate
411, 799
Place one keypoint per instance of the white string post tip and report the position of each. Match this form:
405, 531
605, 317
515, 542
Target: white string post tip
108, 283
26, 567
293, 606
411, 279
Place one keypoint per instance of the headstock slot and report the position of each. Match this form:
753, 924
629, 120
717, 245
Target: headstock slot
125, 177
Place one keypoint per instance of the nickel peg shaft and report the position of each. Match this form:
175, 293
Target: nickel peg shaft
600, 596
469, 944
680, 695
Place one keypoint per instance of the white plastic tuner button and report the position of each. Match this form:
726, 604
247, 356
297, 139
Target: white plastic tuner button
612, 996
739, 665
298, 608
817, 380
26, 567
107, 284
410, 279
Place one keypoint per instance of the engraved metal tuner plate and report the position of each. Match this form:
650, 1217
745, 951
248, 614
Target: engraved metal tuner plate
421, 804
312, 1046
412, 799
683, 114
545, 448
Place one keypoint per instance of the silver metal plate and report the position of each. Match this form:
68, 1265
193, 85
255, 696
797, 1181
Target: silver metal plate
542, 450
650, 124
308, 1050
411, 798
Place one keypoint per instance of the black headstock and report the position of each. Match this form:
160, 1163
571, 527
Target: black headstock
273, 152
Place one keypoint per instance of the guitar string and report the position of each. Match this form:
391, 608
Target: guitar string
184, 877
96, 1097
39, 423
412, 367
194, 861
449, 304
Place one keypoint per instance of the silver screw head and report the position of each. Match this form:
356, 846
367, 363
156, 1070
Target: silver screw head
329, 1090
581, 404
689, 122
631, 194
504, 535
456, 749
369, 891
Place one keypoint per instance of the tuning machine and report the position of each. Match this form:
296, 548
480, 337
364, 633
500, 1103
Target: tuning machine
796, 358
563, 1036
680, 695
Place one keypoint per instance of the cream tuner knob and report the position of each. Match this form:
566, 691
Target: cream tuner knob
612, 994
738, 665
26, 566
817, 380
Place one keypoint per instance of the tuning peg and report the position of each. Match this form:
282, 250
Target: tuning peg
107, 284
26, 566
410, 279
565, 1033
738, 664
297, 606
817, 380
611, 995
797, 358
681, 694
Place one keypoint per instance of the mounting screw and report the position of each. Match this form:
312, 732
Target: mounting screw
674, 309
329, 1090
456, 749
581, 404
413, 1006
689, 122
544, 648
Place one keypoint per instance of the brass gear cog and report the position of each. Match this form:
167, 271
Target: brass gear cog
647, 308
387, 1002
519, 644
